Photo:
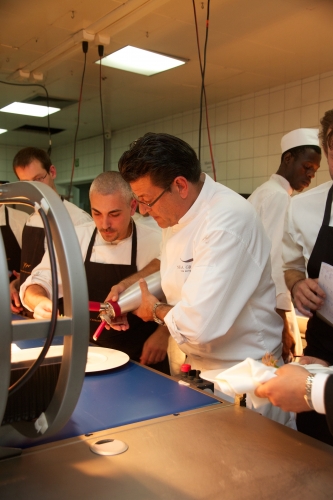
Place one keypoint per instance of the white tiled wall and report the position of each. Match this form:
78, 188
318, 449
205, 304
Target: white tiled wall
90, 155
245, 133
7, 154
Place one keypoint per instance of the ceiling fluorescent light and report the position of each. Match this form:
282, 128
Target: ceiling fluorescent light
140, 61
22, 108
3, 130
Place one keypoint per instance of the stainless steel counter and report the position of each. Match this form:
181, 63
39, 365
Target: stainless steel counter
212, 453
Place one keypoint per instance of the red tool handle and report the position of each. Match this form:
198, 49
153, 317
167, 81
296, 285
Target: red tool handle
94, 306
99, 330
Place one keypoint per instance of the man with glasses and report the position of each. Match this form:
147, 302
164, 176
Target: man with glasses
215, 260
113, 247
33, 164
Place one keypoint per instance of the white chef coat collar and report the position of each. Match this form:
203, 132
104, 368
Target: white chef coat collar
283, 183
204, 197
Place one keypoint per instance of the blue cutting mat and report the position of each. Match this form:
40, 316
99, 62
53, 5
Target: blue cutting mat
125, 395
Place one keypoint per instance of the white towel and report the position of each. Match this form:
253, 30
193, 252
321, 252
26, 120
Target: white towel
244, 378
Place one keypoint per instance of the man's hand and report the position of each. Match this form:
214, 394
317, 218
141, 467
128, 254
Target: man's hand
288, 345
14, 288
288, 342
115, 291
145, 310
44, 309
36, 299
287, 389
120, 323
125, 283
307, 295
155, 348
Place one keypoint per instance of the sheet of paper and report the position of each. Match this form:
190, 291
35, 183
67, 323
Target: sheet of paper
326, 283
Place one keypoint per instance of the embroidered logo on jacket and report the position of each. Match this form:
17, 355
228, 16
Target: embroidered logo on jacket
186, 265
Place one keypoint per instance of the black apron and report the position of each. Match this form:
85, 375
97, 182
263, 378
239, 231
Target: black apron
12, 248
33, 249
100, 279
319, 335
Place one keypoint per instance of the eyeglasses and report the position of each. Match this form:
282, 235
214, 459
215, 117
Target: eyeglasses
153, 202
40, 178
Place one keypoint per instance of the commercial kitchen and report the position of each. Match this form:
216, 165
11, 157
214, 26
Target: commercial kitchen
115, 428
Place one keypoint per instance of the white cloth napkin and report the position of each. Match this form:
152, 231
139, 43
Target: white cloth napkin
245, 378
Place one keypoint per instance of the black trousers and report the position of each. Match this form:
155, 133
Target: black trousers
315, 425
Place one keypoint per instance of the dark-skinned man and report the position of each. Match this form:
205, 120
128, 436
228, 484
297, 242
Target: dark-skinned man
301, 155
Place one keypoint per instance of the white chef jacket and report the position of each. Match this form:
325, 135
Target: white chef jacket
216, 272
318, 392
103, 252
146, 221
303, 221
271, 201
17, 220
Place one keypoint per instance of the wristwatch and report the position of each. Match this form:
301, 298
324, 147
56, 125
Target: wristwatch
308, 387
156, 319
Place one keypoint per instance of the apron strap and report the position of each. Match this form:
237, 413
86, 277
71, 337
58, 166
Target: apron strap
7, 216
134, 244
91, 244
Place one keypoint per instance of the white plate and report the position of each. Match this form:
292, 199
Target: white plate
99, 358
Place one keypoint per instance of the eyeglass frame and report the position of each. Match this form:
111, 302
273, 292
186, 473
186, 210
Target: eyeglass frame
40, 178
149, 205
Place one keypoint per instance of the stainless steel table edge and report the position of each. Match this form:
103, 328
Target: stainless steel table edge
113, 431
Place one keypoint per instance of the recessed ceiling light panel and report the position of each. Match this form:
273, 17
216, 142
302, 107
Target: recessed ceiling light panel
22, 108
140, 61
3, 130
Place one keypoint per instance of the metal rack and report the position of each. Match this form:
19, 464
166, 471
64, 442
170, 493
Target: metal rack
74, 326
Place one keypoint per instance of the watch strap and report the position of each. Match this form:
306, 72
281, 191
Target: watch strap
156, 319
308, 388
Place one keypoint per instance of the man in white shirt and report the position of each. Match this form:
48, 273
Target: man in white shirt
307, 242
33, 164
215, 260
301, 155
113, 247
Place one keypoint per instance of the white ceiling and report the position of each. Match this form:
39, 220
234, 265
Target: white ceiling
252, 45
